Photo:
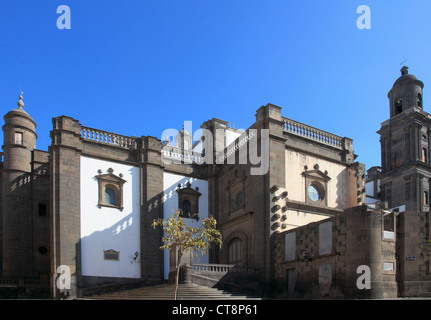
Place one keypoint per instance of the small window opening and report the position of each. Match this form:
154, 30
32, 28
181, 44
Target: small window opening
18, 138
42, 210
398, 105
42, 250
389, 226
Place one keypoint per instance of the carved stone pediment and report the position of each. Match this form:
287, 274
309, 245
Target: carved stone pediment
110, 189
110, 177
188, 201
316, 186
317, 174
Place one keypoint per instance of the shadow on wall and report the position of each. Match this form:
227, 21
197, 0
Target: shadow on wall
113, 253
170, 205
110, 253
25, 239
170, 196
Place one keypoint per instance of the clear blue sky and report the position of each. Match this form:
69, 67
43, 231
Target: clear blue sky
138, 67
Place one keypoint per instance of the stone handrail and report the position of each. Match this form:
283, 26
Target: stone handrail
178, 155
26, 283
109, 138
312, 133
224, 268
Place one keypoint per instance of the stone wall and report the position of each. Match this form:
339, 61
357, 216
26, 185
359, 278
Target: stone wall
324, 257
414, 247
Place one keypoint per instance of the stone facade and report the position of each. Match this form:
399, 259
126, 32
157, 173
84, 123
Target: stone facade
278, 189
402, 182
327, 256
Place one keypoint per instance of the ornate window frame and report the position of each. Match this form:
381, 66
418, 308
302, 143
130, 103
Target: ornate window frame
192, 196
111, 181
319, 180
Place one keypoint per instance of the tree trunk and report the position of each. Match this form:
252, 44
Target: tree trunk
177, 274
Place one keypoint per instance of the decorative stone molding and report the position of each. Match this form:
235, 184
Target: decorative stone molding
317, 180
278, 209
111, 255
188, 201
110, 186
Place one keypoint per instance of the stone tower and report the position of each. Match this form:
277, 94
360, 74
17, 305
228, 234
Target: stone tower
404, 138
406, 93
16, 215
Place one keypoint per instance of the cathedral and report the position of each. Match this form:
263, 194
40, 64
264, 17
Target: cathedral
299, 217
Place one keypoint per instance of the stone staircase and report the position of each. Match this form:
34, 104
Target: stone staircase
186, 291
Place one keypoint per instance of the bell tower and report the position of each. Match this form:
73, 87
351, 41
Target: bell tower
16, 215
405, 146
405, 93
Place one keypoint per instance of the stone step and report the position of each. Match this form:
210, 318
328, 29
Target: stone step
166, 292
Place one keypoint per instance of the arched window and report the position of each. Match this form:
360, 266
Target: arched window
110, 196
235, 252
187, 208
110, 189
419, 99
425, 155
398, 105
188, 201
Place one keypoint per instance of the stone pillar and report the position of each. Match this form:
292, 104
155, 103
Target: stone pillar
65, 153
186, 273
269, 118
151, 182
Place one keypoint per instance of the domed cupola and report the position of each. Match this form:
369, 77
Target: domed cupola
405, 93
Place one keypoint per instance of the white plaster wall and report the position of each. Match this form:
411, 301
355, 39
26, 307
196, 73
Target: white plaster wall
295, 182
109, 228
170, 203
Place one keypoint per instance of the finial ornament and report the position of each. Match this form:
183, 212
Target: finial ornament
20, 103
404, 70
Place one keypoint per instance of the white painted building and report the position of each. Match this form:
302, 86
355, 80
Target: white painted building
109, 228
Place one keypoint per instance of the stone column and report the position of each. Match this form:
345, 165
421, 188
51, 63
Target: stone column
65, 153
151, 182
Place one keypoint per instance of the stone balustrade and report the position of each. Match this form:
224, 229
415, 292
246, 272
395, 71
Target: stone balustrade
223, 268
109, 138
178, 155
311, 133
